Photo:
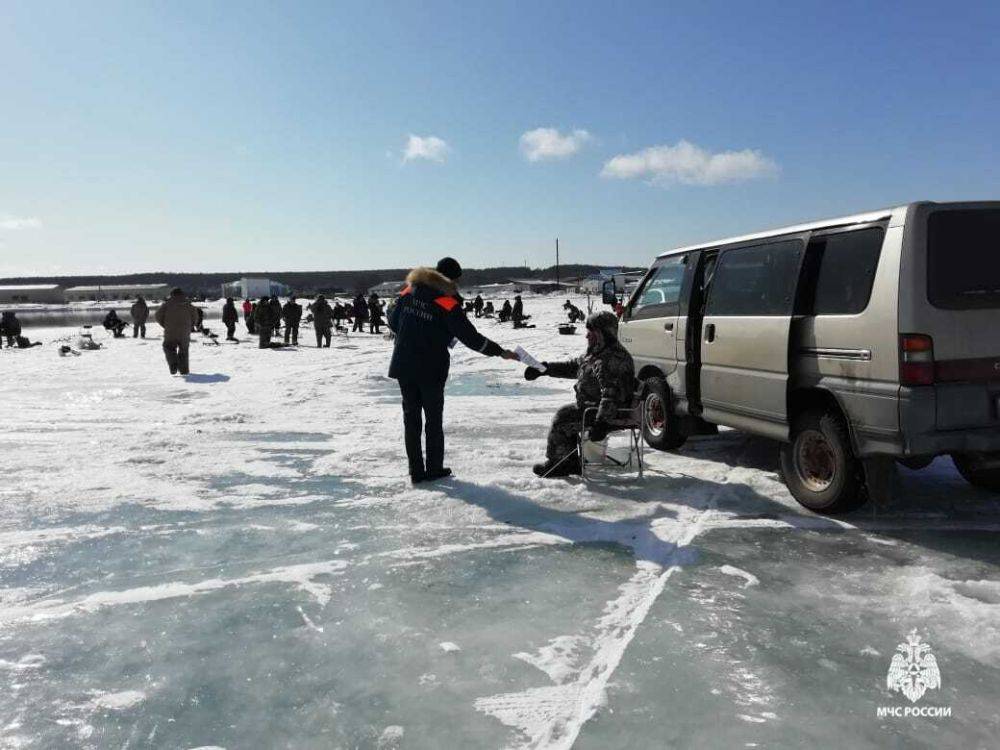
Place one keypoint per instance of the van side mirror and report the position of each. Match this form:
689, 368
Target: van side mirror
608, 296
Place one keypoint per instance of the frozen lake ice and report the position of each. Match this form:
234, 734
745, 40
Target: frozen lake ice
237, 560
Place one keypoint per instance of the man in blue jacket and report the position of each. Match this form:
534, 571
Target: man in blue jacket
426, 319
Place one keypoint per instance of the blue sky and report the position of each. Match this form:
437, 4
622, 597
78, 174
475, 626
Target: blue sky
196, 136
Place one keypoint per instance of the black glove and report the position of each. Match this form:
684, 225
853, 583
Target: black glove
599, 431
532, 373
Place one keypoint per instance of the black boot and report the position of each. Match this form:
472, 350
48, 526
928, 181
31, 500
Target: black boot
432, 474
568, 466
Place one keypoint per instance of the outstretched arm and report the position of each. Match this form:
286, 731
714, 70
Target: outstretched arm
568, 369
463, 330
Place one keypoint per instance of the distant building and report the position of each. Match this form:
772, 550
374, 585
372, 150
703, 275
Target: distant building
540, 286
594, 283
255, 288
246, 288
489, 290
32, 293
117, 292
388, 288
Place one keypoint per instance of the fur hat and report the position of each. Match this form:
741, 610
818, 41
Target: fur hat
605, 322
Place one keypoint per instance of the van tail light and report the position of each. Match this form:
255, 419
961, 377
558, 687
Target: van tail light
916, 359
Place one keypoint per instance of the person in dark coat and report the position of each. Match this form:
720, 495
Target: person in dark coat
276, 314
605, 378
230, 317
248, 315
517, 313
573, 312
291, 313
375, 320
338, 313
360, 313
177, 316
10, 327
489, 311
140, 314
477, 305
322, 320
199, 322
426, 318
264, 320
505, 311
114, 324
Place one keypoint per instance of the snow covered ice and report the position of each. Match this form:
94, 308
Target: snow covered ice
237, 560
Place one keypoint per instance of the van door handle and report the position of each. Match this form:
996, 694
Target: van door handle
710, 332
668, 326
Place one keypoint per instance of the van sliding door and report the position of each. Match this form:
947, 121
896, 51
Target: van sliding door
745, 336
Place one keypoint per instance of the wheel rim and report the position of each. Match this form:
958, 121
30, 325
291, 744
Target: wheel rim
815, 460
656, 415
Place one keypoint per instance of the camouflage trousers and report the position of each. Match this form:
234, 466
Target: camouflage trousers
564, 434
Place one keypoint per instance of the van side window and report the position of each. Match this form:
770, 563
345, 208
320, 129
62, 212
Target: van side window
840, 271
758, 280
660, 294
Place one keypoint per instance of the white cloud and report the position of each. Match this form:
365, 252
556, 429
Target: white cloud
548, 143
15, 222
428, 147
688, 164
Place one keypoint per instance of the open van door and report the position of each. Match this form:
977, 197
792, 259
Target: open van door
649, 324
744, 347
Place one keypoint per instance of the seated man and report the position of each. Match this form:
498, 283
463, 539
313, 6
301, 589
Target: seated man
573, 312
114, 324
605, 378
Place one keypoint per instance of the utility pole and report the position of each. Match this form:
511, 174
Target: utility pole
557, 262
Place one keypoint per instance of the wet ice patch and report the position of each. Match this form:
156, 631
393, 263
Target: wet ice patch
448, 647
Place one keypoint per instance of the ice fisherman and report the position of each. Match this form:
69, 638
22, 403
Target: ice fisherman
10, 327
140, 314
177, 316
291, 313
426, 318
573, 312
605, 378
114, 324
230, 317
322, 319
266, 320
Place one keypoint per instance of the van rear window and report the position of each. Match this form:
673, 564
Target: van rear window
963, 259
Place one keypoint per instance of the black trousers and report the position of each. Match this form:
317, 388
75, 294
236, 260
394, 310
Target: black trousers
230, 331
423, 400
264, 341
292, 330
137, 329
322, 335
176, 352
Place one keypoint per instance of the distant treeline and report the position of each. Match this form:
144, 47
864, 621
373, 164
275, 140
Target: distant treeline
308, 281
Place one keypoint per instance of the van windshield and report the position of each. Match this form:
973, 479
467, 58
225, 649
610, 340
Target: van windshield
963, 259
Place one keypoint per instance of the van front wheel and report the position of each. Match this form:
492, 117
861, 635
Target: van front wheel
819, 466
973, 471
659, 426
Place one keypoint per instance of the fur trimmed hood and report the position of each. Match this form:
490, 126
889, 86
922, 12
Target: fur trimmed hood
431, 278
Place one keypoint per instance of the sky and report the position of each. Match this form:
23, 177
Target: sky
201, 136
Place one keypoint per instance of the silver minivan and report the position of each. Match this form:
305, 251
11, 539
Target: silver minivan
853, 341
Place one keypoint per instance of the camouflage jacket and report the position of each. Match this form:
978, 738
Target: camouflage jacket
605, 379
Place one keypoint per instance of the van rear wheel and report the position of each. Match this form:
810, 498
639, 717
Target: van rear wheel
819, 466
659, 426
970, 466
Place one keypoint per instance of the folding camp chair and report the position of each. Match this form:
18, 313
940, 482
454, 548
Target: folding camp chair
629, 419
